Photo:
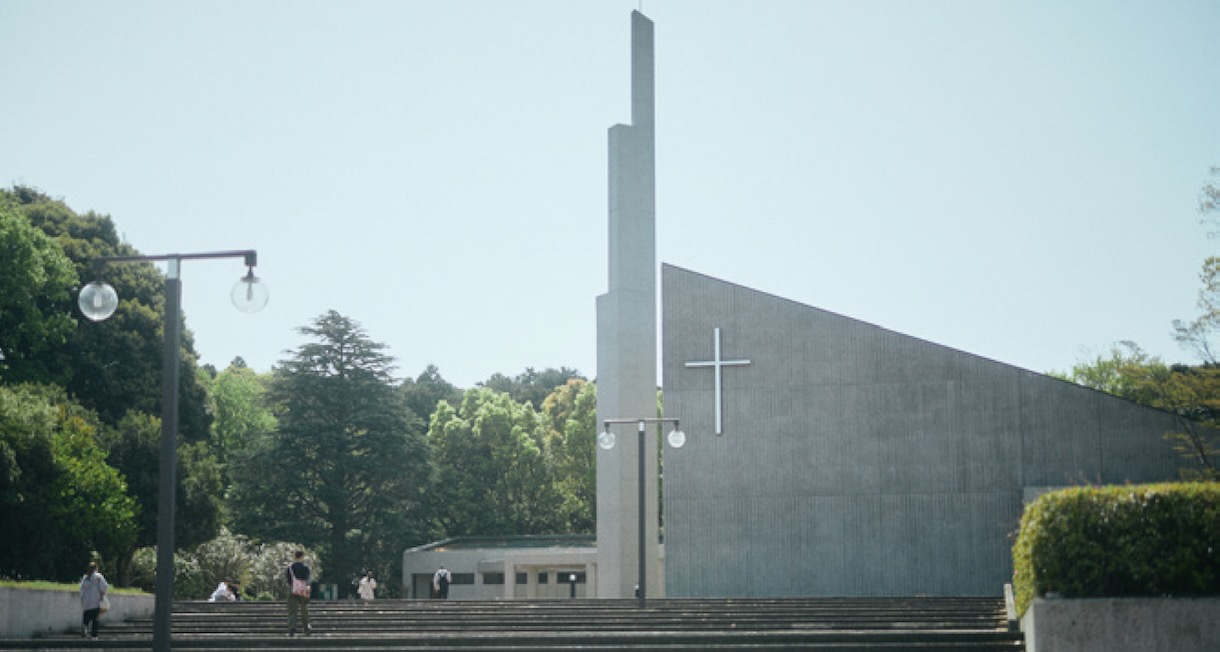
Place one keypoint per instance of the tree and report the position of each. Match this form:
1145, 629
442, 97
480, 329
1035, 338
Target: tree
532, 386
571, 418
1191, 394
492, 475
345, 470
1209, 198
1122, 373
36, 279
423, 393
1194, 392
95, 510
239, 403
1196, 335
59, 500
114, 366
199, 506
133, 447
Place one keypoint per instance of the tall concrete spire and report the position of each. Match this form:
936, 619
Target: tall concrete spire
627, 337
633, 176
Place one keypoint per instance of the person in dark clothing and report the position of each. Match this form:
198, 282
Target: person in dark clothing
298, 594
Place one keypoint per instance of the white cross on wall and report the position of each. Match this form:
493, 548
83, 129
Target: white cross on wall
717, 364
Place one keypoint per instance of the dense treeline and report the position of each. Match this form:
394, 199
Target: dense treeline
328, 450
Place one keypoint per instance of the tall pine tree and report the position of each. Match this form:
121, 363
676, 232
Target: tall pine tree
346, 468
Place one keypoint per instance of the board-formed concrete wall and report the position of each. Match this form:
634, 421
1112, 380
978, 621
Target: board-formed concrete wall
1123, 625
26, 613
860, 461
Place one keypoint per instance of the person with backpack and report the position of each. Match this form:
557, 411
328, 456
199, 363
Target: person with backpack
440, 583
298, 594
93, 589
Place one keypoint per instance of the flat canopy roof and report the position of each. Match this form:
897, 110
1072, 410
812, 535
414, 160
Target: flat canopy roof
511, 541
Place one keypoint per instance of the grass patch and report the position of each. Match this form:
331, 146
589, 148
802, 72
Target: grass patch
56, 586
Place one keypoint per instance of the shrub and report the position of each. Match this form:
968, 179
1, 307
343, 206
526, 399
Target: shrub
189, 581
259, 567
227, 557
1138, 540
267, 568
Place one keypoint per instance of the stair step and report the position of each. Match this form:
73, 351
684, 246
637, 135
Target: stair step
849, 624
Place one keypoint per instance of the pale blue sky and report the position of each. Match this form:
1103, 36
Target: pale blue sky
1014, 179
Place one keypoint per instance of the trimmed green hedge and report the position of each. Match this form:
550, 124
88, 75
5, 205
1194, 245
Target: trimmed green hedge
1136, 540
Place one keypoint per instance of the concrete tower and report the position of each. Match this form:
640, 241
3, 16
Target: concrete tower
627, 338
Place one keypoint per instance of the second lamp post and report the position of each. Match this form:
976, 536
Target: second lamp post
606, 441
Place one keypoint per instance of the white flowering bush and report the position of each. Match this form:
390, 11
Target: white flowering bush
258, 567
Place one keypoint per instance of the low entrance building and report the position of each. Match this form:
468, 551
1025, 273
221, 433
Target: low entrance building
490, 568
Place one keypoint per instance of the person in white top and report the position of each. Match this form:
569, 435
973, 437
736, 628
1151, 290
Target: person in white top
367, 585
93, 588
440, 583
224, 592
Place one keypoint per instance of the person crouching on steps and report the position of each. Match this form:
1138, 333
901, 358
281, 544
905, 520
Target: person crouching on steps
366, 588
298, 594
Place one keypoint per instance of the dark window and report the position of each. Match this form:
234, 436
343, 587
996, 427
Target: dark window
462, 578
542, 577
523, 578
493, 578
565, 577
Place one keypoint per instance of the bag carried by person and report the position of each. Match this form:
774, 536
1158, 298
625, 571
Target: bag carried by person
300, 587
104, 605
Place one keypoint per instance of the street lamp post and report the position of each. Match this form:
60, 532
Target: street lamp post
606, 441
98, 301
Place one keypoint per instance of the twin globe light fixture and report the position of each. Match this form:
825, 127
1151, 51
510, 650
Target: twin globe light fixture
98, 300
606, 439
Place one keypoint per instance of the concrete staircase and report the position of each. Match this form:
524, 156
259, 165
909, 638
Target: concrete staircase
825, 624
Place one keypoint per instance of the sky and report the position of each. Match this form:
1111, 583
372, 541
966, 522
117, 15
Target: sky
1018, 180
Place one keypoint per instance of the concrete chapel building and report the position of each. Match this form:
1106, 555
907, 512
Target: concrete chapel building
825, 456
852, 460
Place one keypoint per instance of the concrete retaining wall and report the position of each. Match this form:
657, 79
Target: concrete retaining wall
25, 613
1123, 625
